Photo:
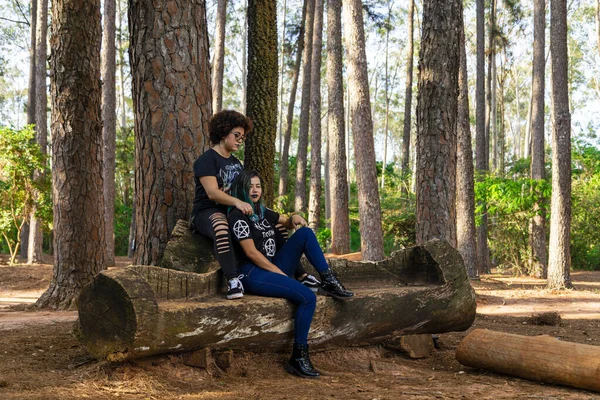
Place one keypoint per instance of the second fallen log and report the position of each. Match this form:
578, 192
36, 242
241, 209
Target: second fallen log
538, 358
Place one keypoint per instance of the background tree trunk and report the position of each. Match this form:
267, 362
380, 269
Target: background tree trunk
36, 234
314, 203
30, 108
560, 223
172, 106
109, 125
465, 191
436, 121
284, 163
369, 207
336, 132
538, 263
408, 91
259, 153
79, 237
301, 155
219, 57
481, 161
281, 80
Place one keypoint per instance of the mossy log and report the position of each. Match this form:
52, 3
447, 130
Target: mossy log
140, 311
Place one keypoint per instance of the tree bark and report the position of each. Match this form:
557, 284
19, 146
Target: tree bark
259, 153
172, 106
465, 190
559, 264
301, 156
369, 207
336, 132
109, 125
124, 312
79, 236
481, 152
31, 88
281, 71
408, 91
36, 234
219, 56
436, 121
284, 163
538, 262
314, 203
538, 358
123, 119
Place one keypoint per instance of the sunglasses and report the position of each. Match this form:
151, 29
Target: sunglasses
239, 136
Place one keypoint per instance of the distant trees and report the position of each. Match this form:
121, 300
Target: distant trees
559, 264
362, 129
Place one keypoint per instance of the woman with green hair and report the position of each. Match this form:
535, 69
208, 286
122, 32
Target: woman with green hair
267, 267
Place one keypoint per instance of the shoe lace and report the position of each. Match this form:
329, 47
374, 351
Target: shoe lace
234, 283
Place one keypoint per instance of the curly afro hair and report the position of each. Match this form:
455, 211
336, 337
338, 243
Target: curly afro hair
223, 122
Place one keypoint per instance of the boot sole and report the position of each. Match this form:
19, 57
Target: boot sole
324, 292
299, 374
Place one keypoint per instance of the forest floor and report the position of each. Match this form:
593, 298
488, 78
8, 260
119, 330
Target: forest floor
41, 359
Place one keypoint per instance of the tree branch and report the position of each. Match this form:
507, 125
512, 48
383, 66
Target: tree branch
20, 7
14, 21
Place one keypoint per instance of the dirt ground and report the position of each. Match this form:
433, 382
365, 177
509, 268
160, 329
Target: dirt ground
41, 359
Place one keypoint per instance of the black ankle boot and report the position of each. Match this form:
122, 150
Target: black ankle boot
299, 363
331, 286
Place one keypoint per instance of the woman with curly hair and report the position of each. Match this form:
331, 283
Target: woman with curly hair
267, 267
214, 171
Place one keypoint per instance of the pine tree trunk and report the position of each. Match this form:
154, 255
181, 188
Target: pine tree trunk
408, 92
559, 264
31, 88
465, 190
436, 121
123, 118
259, 151
36, 234
538, 262
483, 251
79, 237
245, 59
172, 106
314, 203
219, 56
284, 163
281, 71
336, 132
494, 110
301, 156
387, 99
369, 207
109, 125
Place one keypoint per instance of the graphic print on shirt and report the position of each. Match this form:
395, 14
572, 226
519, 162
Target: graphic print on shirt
228, 174
241, 230
269, 247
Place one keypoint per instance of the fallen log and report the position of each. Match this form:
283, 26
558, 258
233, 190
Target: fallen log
538, 358
141, 311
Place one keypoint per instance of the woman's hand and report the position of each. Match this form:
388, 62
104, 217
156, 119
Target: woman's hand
244, 207
297, 221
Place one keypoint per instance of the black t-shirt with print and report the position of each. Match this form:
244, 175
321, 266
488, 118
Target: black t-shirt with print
261, 231
224, 169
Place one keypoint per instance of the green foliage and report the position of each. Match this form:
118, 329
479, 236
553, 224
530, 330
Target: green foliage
19, 158
510, 205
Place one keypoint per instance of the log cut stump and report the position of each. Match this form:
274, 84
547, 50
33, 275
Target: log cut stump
538, 358
189, 252
140, 311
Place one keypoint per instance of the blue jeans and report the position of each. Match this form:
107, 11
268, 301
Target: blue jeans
264, 283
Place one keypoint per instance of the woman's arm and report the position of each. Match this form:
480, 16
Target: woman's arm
258, 258
214, 193
292, 222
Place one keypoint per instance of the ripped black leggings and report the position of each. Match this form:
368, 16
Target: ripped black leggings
212, 223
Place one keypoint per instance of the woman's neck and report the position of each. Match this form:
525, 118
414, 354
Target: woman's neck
221, 150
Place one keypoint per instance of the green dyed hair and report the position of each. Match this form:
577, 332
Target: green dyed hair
240, 189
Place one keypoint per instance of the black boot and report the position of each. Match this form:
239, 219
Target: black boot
299, 363
331, 286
